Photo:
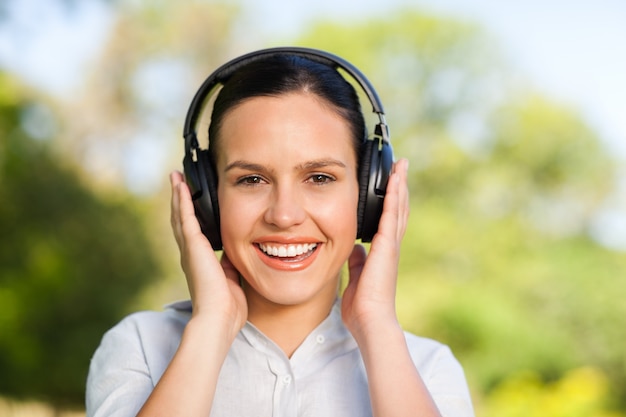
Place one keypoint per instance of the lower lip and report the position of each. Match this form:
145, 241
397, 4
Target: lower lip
287, 264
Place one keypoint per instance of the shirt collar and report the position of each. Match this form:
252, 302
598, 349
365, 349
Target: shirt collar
328, 340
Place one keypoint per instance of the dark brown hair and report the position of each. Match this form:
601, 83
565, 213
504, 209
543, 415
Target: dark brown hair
282, 74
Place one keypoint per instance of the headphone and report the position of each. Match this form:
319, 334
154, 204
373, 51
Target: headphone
376, 158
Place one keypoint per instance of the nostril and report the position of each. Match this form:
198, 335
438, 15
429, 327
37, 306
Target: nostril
285, 211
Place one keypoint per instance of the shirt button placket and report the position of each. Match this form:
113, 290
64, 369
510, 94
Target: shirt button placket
285, 395
286, 401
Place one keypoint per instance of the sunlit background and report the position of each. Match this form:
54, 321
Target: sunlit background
513, 115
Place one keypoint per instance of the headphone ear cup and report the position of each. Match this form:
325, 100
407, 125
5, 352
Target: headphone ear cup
374, 175
202, 182
364, 177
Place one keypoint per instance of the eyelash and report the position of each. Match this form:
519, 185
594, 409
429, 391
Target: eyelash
316, 179
325, 179
250, 180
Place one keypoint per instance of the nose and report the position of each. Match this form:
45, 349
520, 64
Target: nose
285, 208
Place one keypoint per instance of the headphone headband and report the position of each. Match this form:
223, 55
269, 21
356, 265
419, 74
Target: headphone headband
375, 159
224, 72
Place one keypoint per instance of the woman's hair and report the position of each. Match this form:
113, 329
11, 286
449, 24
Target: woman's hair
282, 74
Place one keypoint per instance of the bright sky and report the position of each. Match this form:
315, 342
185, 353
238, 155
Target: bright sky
573, 50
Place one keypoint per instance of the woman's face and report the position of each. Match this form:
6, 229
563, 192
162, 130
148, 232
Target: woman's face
288, 196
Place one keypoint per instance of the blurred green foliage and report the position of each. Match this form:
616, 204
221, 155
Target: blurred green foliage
581, 392
71, 262
497, 261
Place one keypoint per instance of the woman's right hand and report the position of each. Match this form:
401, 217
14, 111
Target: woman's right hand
188, 385
216, 294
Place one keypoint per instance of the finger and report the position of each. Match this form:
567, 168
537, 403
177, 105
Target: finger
193, 245
403, 197
356, 261
388, 225
175, 181
183, 213
229, 269
397, 200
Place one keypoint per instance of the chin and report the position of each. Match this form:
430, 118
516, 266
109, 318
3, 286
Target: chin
285, 289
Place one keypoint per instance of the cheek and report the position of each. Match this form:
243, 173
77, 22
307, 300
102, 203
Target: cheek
236, 217
334, 213
338, 215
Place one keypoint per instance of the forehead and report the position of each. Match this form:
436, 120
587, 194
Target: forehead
301, 123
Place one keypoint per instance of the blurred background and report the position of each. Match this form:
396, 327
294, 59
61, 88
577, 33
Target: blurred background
511, 113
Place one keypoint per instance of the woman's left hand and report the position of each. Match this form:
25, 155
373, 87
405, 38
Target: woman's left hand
369, 299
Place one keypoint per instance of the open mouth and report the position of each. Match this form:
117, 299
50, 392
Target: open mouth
288, 253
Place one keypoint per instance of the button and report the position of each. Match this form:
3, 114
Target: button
287, 379
320, 339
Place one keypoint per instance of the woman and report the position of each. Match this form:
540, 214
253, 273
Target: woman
265, 333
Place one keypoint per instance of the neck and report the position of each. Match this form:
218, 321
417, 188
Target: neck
288, 326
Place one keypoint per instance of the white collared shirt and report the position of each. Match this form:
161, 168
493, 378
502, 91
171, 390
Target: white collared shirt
324, 377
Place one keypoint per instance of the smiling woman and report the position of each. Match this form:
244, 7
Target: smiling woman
299, 200
289, 182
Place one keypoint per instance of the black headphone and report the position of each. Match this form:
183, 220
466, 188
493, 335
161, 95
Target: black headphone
375, 161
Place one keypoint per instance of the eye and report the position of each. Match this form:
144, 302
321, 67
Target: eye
321, 179
250, 180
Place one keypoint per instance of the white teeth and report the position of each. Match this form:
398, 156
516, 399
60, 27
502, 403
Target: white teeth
287, 251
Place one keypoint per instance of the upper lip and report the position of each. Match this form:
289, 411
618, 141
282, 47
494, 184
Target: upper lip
286, 240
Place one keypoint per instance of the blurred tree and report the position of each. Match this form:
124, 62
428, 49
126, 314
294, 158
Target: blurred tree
71, 261
497, 261
75, 258
582, 392
434, 75
133, 104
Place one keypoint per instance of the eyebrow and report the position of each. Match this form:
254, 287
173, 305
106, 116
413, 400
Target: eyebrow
314, 164
321, 163
248, 166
